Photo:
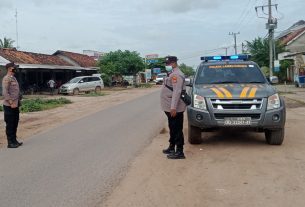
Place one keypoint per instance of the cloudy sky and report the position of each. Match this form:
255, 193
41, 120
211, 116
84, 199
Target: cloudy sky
186, 28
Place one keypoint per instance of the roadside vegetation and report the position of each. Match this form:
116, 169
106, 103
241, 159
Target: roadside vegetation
39, 104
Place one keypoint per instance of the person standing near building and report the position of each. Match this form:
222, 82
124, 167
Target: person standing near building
51, 84
173, 107
11, 103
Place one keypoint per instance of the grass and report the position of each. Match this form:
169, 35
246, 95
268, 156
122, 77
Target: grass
93, 94
39, 104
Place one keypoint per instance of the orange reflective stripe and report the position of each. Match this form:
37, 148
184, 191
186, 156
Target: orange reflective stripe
218, 93
244, 92
252, 92
226, 92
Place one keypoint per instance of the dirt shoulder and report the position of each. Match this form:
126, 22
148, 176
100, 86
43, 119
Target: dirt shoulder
227, 169
37, 122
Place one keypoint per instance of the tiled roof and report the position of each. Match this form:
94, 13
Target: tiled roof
286, 39
80, 59
21, 57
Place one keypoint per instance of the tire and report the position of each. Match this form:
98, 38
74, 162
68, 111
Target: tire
75, 91
275, 137
97, 89
194, 135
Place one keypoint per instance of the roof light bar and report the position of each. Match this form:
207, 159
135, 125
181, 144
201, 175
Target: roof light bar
220, 58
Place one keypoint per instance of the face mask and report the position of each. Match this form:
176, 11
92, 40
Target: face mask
168, 68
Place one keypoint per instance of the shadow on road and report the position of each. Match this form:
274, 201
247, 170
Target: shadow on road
230, 137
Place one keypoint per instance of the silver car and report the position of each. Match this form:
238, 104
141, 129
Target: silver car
82, 84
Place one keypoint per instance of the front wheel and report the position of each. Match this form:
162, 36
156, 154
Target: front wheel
275, 137
76, 91
97, 89
194, 135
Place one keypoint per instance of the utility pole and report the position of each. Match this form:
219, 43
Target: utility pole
270, 26
17, 37
235, 45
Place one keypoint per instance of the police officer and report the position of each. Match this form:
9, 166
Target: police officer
11, 103
173, 107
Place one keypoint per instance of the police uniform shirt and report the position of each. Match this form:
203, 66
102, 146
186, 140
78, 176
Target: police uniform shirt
171, 99
10, 90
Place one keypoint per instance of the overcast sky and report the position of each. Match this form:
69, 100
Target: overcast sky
186, 28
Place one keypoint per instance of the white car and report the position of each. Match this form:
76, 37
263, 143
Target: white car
160, 77
82, 84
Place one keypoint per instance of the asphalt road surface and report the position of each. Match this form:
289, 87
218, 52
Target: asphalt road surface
79, 163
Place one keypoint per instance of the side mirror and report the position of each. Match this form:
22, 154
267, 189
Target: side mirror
274, 80
81, 81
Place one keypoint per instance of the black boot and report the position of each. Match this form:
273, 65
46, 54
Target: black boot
177, 155
12, 145
170, 149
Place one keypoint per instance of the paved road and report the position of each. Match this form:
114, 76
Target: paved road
79, 163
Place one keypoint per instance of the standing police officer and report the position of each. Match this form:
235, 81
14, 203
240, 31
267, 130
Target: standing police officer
173, 107
11, 94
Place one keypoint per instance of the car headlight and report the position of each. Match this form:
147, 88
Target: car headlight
199, 102
274, 102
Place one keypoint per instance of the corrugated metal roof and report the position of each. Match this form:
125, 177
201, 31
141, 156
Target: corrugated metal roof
81, 59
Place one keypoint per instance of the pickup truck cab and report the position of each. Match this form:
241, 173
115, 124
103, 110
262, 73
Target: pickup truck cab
232, 92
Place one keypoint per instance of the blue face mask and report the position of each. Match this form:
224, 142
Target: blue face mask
168, 68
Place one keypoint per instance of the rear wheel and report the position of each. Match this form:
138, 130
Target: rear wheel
75, 91
97, 89
194, 135
275, 137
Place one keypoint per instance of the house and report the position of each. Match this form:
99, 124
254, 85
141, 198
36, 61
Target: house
35, 69
294, 41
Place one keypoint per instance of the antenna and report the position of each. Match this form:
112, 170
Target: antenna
17, 38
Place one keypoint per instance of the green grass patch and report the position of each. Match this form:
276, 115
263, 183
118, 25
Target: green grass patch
38, 104
93, 94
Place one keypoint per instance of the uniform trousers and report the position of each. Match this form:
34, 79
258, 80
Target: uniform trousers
175, 125
11, 118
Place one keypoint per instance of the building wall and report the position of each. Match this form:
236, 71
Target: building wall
298, 45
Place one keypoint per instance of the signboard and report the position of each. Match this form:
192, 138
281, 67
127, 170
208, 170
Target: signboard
277, 66
151, 56
157, 70
152, 61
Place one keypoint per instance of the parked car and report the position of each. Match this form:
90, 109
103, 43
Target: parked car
160, 77
82, 84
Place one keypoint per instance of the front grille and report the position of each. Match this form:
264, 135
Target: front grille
237, 104
222, 116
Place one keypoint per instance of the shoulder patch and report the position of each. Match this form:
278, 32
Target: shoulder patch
174, 79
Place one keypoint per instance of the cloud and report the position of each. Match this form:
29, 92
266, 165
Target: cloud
5, 4
182, 6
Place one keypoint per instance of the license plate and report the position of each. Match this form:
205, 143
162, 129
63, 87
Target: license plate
237, 121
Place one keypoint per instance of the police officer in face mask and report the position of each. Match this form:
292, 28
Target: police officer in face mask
11, 103
174, 107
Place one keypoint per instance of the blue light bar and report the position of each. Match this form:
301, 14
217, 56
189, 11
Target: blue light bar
232, 57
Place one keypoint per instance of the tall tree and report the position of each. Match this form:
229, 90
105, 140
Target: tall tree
121, 63
187, 70
259, 49
6, 43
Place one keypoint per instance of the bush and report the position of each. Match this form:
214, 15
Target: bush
39, 104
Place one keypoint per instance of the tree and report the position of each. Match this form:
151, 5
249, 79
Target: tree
121, 63
6, 43
259, 50
187, 70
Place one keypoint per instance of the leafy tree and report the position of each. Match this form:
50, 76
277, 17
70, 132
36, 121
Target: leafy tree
187, 70
6, 43
119, 63
259, 50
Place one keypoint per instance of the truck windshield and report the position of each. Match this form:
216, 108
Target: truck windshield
230, 73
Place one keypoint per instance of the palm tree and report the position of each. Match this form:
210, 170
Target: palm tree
6, 43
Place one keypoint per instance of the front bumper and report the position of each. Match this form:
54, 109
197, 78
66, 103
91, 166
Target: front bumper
260, 119
65, 90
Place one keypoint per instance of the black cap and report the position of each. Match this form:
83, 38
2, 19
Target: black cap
171, 59
9, 65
